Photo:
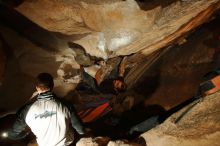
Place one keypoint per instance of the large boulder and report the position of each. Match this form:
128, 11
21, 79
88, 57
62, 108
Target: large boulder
195, 125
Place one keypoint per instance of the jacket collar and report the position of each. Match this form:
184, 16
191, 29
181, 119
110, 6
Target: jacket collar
45, 95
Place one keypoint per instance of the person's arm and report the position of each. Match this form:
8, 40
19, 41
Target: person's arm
18, 129
122, 67
75, 121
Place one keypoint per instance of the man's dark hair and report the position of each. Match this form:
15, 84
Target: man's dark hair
44, 81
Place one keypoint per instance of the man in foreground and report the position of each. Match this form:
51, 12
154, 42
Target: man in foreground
47, 116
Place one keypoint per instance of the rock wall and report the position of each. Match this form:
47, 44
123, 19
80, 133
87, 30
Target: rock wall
25, 61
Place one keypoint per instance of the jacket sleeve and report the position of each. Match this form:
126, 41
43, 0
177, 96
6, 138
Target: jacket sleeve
18, 129
75, 121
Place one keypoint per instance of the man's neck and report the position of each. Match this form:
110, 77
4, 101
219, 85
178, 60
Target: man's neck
42, 91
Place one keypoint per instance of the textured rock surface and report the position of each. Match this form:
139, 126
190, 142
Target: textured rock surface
199, 127
170, 76
26, 60
104, 141
116, 27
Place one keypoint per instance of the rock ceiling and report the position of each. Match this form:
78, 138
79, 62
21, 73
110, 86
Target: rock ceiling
113, 28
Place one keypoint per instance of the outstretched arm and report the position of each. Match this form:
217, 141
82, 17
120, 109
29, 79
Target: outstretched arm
18, 129
75, 120
76, 124
122, 67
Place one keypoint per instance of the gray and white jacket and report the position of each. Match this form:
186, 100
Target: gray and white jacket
49, 119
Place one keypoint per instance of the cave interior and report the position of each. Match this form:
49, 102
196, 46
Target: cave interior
159, 82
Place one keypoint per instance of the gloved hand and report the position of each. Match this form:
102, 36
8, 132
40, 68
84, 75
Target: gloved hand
13, 135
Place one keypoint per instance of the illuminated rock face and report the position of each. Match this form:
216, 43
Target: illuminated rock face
109, 29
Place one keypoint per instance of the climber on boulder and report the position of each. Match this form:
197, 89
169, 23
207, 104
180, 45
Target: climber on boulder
112, 84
